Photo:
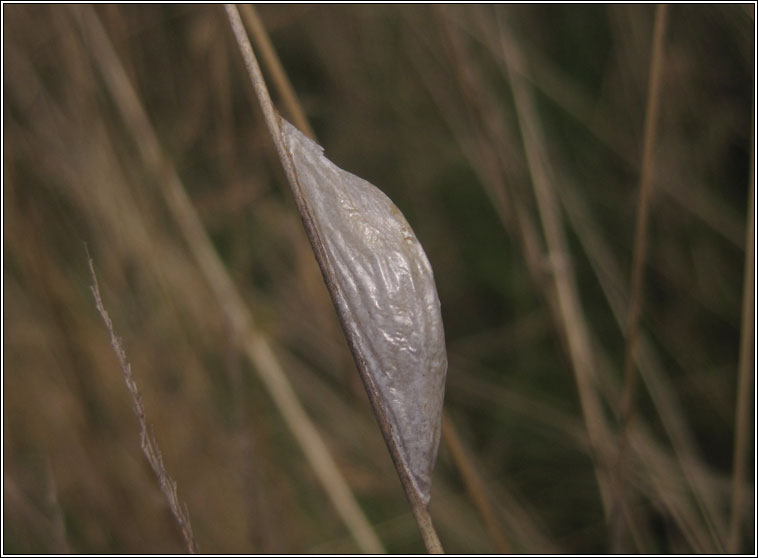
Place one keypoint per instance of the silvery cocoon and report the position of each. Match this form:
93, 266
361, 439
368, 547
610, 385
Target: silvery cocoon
386, 297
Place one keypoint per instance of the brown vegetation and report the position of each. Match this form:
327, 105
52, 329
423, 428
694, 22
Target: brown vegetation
511, 137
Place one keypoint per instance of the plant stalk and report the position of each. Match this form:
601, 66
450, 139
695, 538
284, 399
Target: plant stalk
420, 512
257, 347
742, 411
637, 286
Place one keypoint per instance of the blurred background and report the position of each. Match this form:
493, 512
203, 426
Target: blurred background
511, 137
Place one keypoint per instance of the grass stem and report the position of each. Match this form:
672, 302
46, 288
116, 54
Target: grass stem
274, 67
569, 306
637, 284
147, 437
256, 346
742, 412
460, 455
423, 519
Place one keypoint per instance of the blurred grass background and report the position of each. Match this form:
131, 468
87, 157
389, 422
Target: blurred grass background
417, 100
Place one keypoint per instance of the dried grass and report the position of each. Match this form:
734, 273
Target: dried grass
419, 101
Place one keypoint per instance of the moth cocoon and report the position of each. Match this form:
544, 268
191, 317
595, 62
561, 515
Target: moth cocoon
384, 290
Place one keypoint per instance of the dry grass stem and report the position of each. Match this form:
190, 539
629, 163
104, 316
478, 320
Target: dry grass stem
664, 395
460, 455
637, 284
147, 437
636, 288
560, 88
274, 67
461, 458
134, 128
256, 347
58, 530
573, 323
745, 367
420, 512
493, 173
